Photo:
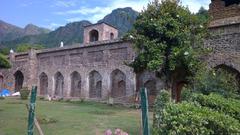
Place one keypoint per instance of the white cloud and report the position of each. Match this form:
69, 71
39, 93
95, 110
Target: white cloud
84, 11
53, 26
64, 3
194, 5
97, 13
26, 4
74, 19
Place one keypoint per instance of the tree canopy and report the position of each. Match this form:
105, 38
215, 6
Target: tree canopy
4, 63
167, 36
26, 47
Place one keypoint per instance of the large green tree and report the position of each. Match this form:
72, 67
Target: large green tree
167, 37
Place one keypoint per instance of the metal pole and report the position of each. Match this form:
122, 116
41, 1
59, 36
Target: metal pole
31, 113
144, 107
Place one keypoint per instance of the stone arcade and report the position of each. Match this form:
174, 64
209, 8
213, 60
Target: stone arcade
95, 69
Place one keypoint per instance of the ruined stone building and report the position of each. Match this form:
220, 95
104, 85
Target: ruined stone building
95, 69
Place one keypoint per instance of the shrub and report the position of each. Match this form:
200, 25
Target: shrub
208, 81
2, 98
192, 118
41, 98
4, 63
46, 120
24, 93
189, 118
217, 102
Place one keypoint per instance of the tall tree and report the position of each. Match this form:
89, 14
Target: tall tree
167, 37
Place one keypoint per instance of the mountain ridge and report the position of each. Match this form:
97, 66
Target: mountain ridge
10, 32
121, 18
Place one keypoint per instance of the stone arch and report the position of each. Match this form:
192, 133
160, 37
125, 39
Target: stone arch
111, 36
118, 83
178, 90
59, 84
75, 84
93, 35
43, 83
1, 82
95, 84
231, 70
19, 78
151, 87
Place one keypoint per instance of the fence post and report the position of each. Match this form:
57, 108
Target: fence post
144, 107
31, 113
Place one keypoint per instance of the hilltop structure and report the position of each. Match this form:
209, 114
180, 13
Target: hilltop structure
95, 70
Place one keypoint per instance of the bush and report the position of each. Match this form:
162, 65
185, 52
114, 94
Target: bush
24, 93
188, 118
4, 63
208, 81
46, 120
2, 98
192, 118
217, 102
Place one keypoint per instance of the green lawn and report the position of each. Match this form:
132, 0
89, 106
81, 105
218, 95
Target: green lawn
75, 118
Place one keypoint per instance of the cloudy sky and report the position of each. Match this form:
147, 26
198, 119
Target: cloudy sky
54, 13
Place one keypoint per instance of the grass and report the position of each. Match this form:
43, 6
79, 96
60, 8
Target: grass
68, 118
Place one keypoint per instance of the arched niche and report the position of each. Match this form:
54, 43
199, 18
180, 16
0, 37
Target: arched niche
43, 78
95, 85
19, 78
93, 35
75, 84
59, 84
118, 83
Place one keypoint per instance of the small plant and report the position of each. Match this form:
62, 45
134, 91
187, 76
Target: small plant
2, 98
117, 132
46, 120
82, 100
41, 98
24, 93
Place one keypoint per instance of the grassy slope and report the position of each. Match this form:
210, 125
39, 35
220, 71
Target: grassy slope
85, 118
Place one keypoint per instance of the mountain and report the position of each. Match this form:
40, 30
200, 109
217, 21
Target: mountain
69, 34
31, 29
121, 18
10, 32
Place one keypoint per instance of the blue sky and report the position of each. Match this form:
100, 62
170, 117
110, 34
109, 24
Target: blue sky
54, 13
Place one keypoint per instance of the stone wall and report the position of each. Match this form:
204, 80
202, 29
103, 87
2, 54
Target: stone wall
71, 72
101, 58
22, 64
218, 10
